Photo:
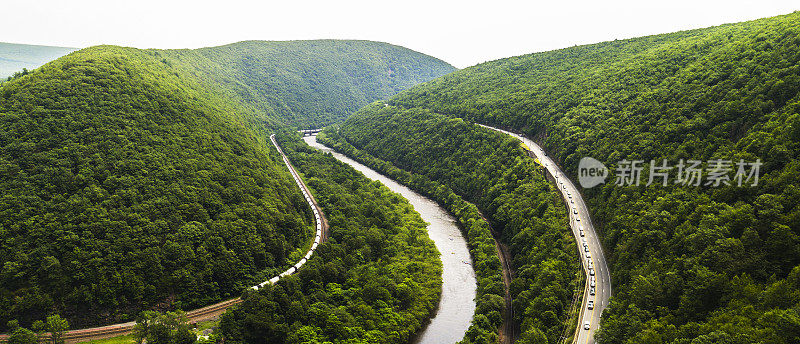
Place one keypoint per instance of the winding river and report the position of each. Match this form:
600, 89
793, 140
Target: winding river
457, 304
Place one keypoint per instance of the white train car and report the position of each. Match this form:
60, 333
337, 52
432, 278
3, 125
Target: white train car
299, 264
288, 272
317, 217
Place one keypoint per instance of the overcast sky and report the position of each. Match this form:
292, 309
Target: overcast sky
463, 33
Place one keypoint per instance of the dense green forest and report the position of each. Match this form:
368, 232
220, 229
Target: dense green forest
308, 84
127, 185
376, 280
494, 172
489, 302
689, 264
139, 179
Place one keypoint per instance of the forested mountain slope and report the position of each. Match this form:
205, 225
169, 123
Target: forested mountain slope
699, 264
127, 184
376, 280
309, 84
15, 57
492, 171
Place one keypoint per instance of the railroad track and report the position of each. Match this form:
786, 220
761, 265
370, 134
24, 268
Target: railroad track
215, 310
102, 332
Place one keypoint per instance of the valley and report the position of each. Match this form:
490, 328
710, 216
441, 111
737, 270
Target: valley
353, 191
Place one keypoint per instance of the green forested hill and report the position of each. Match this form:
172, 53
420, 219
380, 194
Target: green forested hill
690, 264
127, 184
139, 179
309, 83
15, 57
376, 280
492, 171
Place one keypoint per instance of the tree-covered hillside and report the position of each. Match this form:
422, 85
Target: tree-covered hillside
690, 264
140, 179
377, 280
126, 185
492, 171
308, 84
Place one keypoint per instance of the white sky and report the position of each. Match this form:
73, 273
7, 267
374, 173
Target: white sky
463, 33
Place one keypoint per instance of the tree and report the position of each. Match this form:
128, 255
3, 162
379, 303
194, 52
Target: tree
57, 326
21, 335
168, 328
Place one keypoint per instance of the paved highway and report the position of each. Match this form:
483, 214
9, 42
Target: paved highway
593, 260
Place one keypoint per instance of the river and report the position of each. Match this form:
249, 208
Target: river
457, 305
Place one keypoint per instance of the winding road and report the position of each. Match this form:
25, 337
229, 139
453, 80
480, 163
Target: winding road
593, 259
213, 311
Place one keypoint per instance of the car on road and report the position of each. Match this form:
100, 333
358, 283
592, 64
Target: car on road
578, 219
587, 325
590, 305
591, 291
591, 272
592, 284
581, 231
575, 211
586, 248
588, 255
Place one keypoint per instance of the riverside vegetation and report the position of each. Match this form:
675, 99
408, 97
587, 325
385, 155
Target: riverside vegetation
455, 162
376, 280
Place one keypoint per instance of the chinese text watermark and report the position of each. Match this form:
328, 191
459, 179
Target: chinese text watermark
711, 173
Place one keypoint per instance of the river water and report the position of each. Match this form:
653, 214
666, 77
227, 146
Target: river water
457, 304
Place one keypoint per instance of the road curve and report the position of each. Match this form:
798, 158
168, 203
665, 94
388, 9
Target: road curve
574, 201
212, 311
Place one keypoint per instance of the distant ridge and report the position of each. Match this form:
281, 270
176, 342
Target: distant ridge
309, 83
14, 57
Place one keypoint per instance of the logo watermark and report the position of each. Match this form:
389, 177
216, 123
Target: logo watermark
591, 172
711, 173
